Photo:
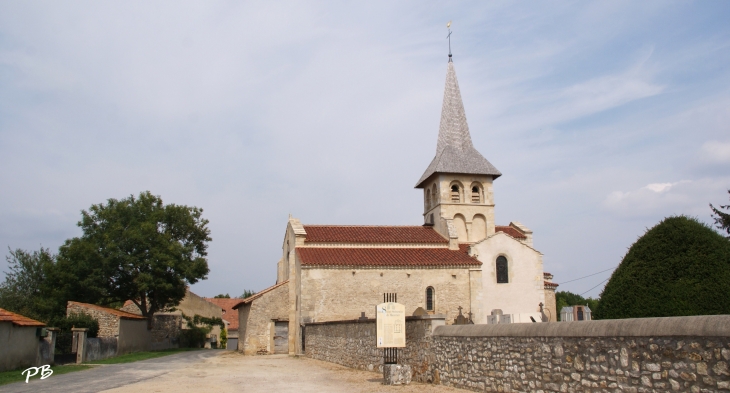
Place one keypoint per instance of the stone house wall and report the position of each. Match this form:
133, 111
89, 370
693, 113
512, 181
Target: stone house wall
108, 323
687, 354
256, 320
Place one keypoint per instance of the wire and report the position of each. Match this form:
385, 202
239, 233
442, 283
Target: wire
576, 279
595, 286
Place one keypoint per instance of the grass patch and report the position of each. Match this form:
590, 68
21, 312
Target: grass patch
137, 356
7, 377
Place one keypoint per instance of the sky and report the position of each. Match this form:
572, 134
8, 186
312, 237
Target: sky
603, 117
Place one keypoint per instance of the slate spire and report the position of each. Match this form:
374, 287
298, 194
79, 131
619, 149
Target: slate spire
454, 150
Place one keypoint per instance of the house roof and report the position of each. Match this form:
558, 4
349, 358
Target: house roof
230, 314
455, 152
391, 257
17, 319
258, 295
372, 234
510, 231
113, 311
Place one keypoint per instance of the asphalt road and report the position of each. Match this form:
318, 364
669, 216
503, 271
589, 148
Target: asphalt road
110, 376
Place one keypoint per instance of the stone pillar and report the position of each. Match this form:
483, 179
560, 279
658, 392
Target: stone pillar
80, 343
396, 374
51, 339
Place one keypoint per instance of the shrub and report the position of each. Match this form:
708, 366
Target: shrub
679, 267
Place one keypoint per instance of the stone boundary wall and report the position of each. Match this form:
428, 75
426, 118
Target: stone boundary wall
352, 344
100, 348
687, 354
683, 354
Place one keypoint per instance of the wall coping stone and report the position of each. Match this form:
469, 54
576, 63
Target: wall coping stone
372, 320
699, 326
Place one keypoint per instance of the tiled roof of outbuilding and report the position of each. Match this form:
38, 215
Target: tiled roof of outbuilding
372, 234
258, 295
17, 319
113, 311
510, 231
230, 314
391, 257
550, 285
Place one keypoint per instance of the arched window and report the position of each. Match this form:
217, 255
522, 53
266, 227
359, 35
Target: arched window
502, 276
433, 195
428, 199
455, 193
430, 294
475, 195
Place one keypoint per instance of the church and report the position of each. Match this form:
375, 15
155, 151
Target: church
459, 261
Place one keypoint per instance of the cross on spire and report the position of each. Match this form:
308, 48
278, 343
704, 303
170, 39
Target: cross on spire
448, 26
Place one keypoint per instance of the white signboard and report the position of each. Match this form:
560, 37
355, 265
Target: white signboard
391, 325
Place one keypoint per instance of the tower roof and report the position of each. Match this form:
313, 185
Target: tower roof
454, 150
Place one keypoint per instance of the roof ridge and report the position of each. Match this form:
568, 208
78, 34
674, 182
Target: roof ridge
372, 226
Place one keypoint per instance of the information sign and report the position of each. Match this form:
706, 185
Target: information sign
391, 325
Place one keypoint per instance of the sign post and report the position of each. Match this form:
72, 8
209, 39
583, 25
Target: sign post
390, 322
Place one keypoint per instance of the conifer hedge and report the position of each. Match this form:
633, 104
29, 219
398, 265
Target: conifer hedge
679, 267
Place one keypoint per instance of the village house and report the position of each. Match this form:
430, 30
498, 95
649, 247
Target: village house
128, 329
458, 260
230, 317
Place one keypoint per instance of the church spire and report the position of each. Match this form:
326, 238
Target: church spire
455, 152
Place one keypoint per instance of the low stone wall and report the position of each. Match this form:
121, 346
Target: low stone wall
688, 354
100, 348
352, 344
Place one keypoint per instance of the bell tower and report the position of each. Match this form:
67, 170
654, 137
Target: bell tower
457, 185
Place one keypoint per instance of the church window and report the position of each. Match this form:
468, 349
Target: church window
428, 199
455, 193
429, 298
502, 276
475, 195
433, 195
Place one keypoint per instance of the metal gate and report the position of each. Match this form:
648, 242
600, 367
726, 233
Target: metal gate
281, 337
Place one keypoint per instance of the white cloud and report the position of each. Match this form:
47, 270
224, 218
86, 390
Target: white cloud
716, 151
689, 197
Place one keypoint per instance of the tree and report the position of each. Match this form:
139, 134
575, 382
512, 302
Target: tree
679, 267
247, 293
137, 249
722, 220
566, 299
222, 296
25, 289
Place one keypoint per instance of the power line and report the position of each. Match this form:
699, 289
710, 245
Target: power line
594, 287
576, 279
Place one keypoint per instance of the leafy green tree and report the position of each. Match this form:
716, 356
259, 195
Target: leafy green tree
25, 289
722, 220
247, 293
138, 249
679, 267
222, 296
566, 299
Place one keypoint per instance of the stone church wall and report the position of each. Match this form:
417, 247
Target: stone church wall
342, 294
255, 321
687, 354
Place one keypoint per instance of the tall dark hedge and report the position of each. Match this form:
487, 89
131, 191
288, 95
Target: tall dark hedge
679, 267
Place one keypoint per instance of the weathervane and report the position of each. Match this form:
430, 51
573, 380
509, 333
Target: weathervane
448, 26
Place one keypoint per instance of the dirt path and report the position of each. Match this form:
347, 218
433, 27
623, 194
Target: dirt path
233, 372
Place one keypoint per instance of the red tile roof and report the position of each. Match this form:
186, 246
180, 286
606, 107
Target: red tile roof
113, 311
550, 285
17, 319
372, 234
258, 294
510, 231
229, 314
394, 257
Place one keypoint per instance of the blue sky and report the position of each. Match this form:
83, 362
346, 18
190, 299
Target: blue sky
604, 117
